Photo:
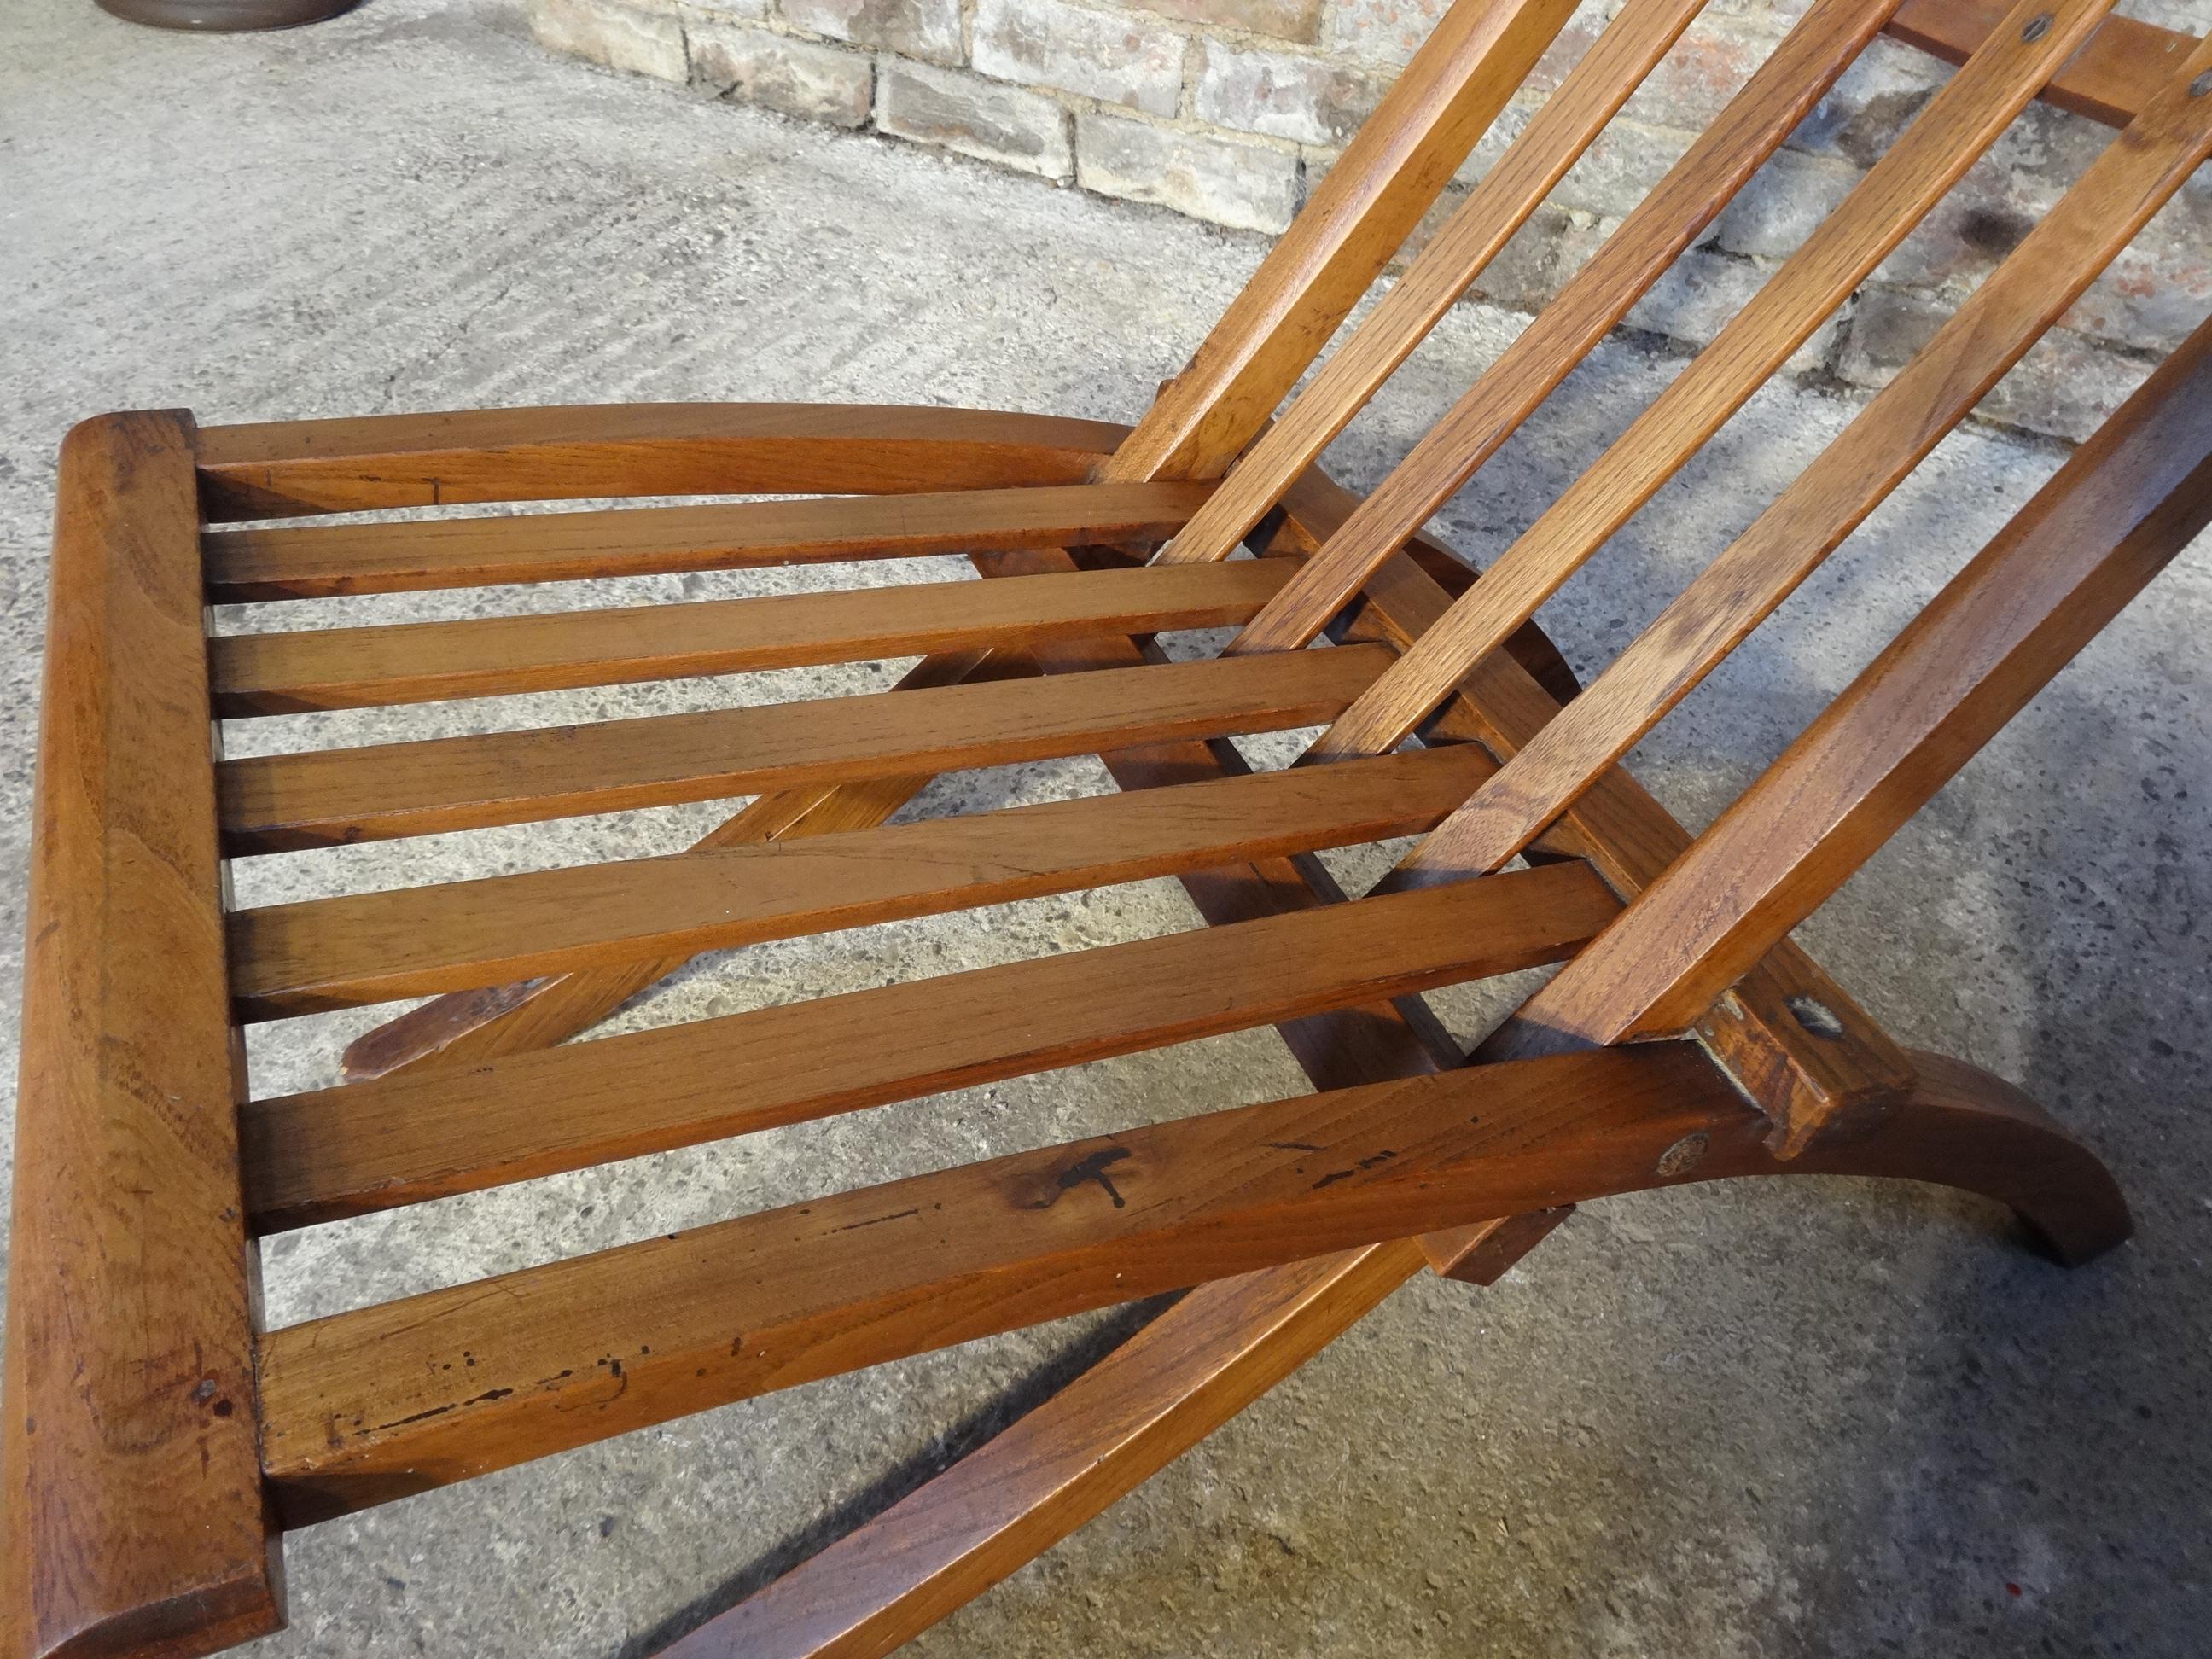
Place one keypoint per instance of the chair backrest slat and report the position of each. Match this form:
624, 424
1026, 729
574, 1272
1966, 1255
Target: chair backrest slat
1770, 104
1991, 332
1555, 138
2123, 505
1404, 155
1957, 126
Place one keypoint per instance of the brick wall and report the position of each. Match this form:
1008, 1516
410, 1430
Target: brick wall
1231, 111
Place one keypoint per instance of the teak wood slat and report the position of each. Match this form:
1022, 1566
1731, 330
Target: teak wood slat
363, 1407
1803, 1078
416, 941
331, 797
1479, 228
2119, 510
156, 1440
501, 656
2109, 80
133, 1293
1779, 96
283, 469
399, 1140
1960, 123
1388, 177
1992, 331
396, 556
459, 1029
1133, 1413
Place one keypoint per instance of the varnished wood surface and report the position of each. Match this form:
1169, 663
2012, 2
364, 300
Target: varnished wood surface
416, 941
1048, 1231
293, 562
500, 656
1473, 60
463, 1027
365, 1406
1803, 1080
2123, 505
331, 797
1957, 125
132, 1290
400, 1140
1990, 331
1778, 95
1513, 188
282, 468
1482, 1253
361, 1408
1130, 1415
2109, 80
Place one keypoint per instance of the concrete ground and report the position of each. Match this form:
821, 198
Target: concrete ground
1771, 1419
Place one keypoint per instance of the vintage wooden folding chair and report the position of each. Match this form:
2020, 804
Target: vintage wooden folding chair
160, 1440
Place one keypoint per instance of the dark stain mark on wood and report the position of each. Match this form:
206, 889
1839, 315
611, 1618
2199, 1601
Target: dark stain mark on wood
1093, 1168
854, 1226
1364, 1163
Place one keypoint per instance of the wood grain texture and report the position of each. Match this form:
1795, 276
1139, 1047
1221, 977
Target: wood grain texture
2123, 505
284, 468
501, 656
366, 1407
1957, 125
417, 941
1483, 1254
368, 1147
293, 562
1513, 188
1803, 1080
134, 1519
333, 797
1130, 1415
2109, 80
1778, 95
1395, 166
462, 1028
1990, 332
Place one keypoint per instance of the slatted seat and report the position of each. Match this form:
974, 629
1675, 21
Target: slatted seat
159, 1439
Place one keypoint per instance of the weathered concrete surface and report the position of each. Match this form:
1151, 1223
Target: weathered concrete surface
1782, 1419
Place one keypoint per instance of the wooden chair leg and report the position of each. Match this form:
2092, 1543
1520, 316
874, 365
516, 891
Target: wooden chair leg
1966, 1127
995, 1511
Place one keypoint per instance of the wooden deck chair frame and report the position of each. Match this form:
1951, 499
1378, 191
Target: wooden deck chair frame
159, 1440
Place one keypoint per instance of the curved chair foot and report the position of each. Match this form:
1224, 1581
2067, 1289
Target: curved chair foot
1963, 1127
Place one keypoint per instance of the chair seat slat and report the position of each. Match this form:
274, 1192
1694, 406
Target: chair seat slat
320, 560
1962, 121
336, 796
397, 1140
363, 1407
416, 941
369, 463
499, 656
2113, 199
1778, 96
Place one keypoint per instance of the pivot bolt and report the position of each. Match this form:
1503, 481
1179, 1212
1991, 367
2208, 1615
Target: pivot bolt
1816, 1016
